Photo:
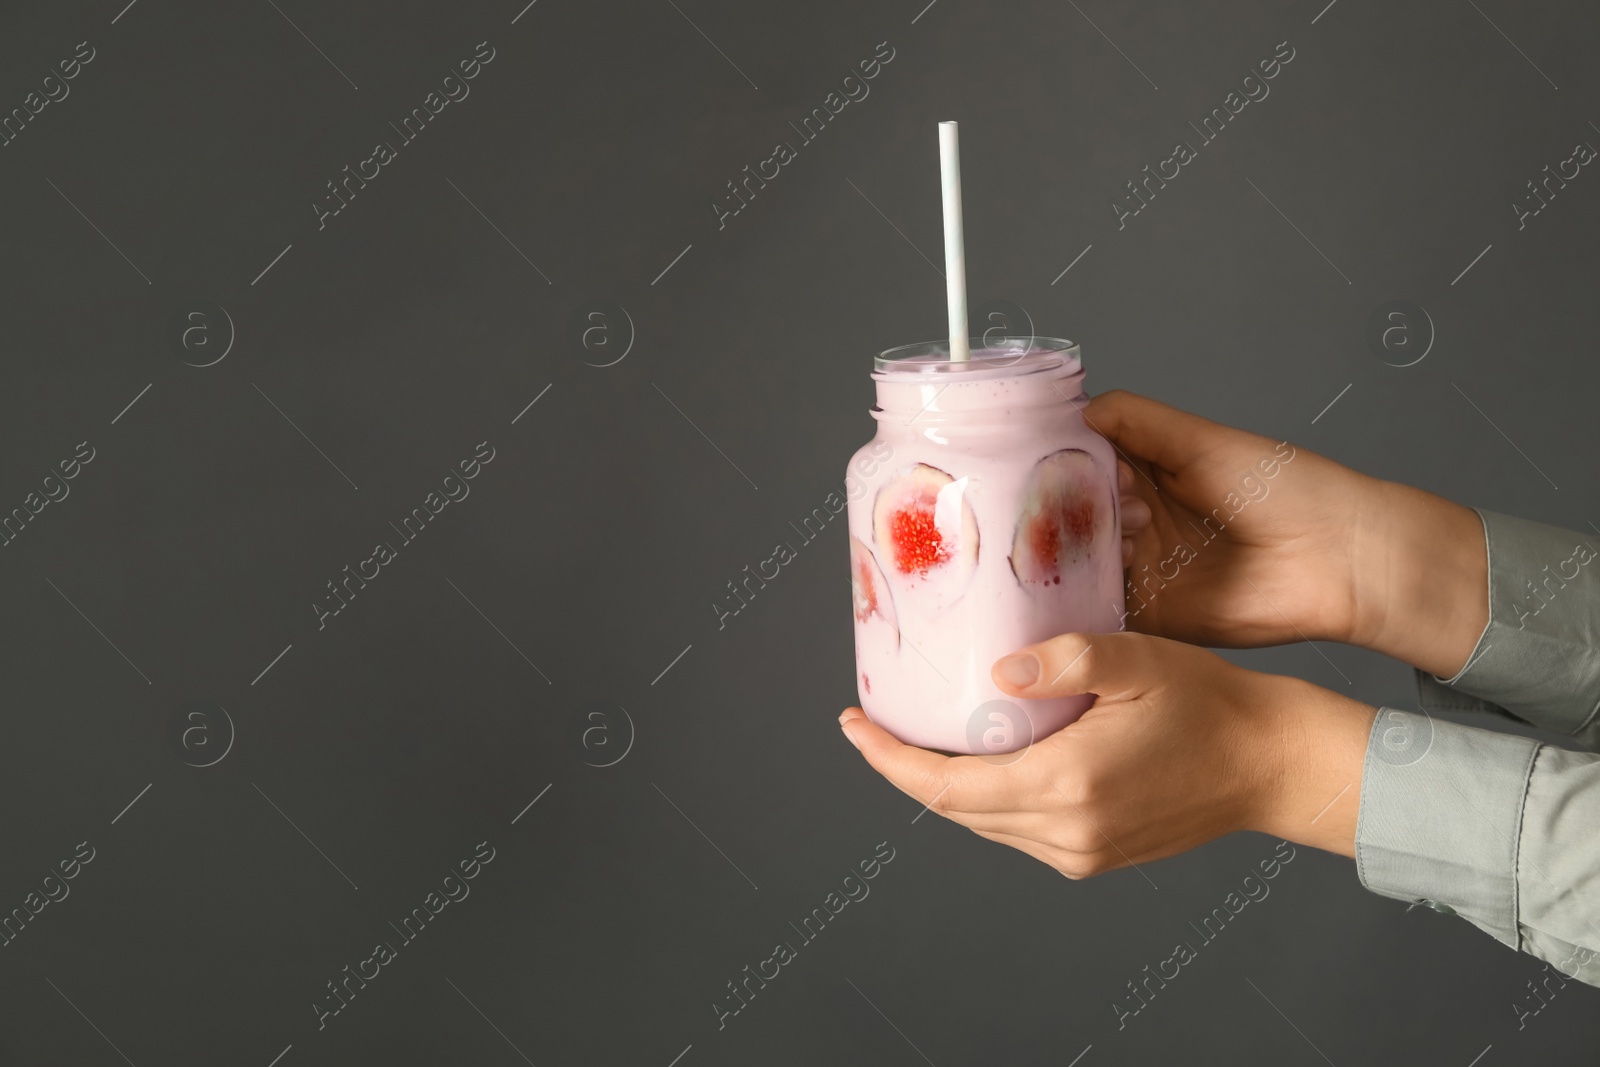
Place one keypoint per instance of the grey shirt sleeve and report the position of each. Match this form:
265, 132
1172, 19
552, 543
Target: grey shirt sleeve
1538, 659
1498, 829
1502, 830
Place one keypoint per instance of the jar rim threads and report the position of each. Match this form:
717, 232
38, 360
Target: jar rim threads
991, 357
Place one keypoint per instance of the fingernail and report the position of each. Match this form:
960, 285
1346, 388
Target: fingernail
844, 715
1021, 669
847, 737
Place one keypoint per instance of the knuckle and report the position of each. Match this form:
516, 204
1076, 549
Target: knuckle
1088, 657
1073, 867
1093, 787
1079, 837
963, 787
1080, 867
1129, 643
1078, 789
942, 800
1068, 655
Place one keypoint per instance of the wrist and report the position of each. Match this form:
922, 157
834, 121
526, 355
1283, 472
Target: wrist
1420, 577
1311, 749
1342, 606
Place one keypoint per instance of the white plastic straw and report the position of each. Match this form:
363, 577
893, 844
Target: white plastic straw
955, 257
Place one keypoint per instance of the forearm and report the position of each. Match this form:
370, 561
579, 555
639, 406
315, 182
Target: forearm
1421, 575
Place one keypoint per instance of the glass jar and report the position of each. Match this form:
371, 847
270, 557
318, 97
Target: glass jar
986, 521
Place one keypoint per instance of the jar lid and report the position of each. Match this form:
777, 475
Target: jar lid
992, 357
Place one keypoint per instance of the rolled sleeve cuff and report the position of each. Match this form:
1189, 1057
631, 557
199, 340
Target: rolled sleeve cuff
1538, 658
1441, 817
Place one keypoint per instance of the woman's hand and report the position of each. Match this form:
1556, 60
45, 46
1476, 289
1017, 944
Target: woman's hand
1235, 540
1179, 748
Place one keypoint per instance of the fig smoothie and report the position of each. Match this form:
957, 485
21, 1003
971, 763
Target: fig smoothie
991, 525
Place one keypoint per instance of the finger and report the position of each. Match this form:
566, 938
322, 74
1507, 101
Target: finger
955, 786
1108, 665
1124, 477
1127, 553
1150, 430
1136, 514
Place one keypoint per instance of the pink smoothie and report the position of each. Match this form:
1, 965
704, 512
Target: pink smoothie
987, 521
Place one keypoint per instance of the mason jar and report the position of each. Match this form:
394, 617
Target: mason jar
987, 520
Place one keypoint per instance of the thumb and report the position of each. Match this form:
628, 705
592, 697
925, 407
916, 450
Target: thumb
1108, 665
1150, 430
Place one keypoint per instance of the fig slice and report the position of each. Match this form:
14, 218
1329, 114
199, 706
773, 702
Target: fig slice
869, 589
924, 524
1062, 514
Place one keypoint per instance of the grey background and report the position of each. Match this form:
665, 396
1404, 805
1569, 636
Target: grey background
419, 722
